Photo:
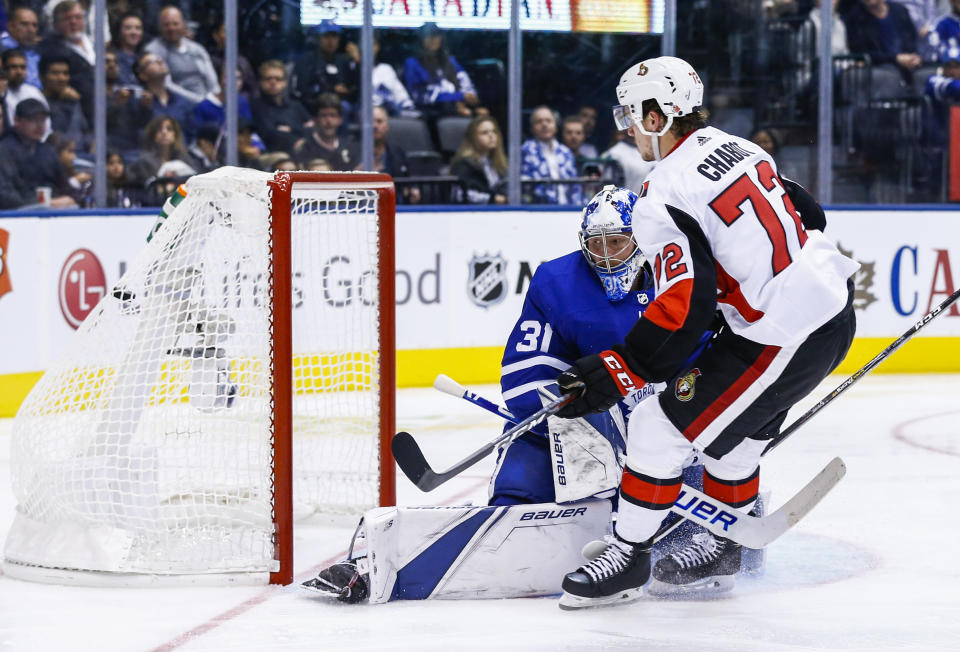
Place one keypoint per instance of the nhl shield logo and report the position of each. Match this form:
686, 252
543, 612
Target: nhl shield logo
487, 282
685, 385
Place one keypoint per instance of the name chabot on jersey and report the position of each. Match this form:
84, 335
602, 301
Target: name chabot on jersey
722, 160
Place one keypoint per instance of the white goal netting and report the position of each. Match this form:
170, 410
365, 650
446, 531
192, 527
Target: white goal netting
148, 447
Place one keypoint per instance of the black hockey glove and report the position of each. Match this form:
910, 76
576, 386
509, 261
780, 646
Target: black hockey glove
601, 379
811, 213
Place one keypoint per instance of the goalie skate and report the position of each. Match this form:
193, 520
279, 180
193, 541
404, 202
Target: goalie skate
346, 581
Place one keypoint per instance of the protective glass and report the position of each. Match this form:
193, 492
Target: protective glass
621, 117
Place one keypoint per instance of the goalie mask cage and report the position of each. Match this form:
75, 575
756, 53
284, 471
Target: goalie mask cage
240, 372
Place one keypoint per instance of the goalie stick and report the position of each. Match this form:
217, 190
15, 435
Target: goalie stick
751, 531
414, 465
448, 385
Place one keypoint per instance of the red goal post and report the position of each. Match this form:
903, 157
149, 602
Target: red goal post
281, 187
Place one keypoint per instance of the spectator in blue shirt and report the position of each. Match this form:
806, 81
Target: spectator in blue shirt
388, 91
127, 42
439, 85
545, 158
22, 34
157, 99
211, 109
943, 90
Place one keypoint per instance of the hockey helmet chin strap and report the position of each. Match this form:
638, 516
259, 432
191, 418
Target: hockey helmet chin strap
625, 118
655, 136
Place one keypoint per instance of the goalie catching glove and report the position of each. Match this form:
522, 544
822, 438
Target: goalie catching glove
602, 379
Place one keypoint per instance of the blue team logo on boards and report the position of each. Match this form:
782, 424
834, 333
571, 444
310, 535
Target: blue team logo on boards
487, 282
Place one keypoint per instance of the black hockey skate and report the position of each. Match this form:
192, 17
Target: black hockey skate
705, 565
344, 580
616, 576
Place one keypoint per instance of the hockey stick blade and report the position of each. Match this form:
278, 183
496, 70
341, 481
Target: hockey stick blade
414, 465
411, 461
752, 531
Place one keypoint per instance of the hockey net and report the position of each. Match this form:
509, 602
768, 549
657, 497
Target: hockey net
218, 372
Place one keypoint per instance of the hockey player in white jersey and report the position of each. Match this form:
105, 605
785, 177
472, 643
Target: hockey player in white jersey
721, 231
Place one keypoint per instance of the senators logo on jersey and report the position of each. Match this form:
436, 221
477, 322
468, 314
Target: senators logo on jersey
685, 385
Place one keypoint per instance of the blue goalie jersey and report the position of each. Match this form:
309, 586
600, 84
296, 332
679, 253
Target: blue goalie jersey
566, 315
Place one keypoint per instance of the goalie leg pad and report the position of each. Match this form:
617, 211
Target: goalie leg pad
523, 473
417, 553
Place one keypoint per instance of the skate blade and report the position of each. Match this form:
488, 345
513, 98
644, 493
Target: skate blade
706, 587
570, 602
315, 586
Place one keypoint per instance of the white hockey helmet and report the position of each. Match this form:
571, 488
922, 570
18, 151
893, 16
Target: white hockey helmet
616, 260
672, 82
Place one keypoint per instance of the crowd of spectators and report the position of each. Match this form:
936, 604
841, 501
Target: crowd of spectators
165, 96
166, 93
896, 66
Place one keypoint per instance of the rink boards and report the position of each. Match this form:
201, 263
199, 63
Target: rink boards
460, 281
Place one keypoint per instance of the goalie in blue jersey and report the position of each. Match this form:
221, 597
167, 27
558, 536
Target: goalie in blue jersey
567, 314
553, 488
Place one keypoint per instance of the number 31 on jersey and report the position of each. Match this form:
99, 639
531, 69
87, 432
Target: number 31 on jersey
531, 335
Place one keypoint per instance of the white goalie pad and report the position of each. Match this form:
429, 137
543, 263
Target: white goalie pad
417, 553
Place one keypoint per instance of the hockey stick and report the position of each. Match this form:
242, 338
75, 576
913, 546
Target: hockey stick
414, 465
864, 370
448, 385
756, 531
752, 531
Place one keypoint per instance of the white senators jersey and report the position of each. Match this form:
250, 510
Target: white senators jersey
716, 224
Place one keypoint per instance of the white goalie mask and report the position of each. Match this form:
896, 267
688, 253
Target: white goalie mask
672, 82
606, 239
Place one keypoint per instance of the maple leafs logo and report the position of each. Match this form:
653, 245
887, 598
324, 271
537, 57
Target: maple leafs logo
862, 281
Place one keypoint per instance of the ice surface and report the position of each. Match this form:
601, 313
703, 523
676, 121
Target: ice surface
873, 567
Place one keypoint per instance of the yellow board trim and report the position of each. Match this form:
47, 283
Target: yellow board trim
921, 355
14, 388
477, 365
481, 365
